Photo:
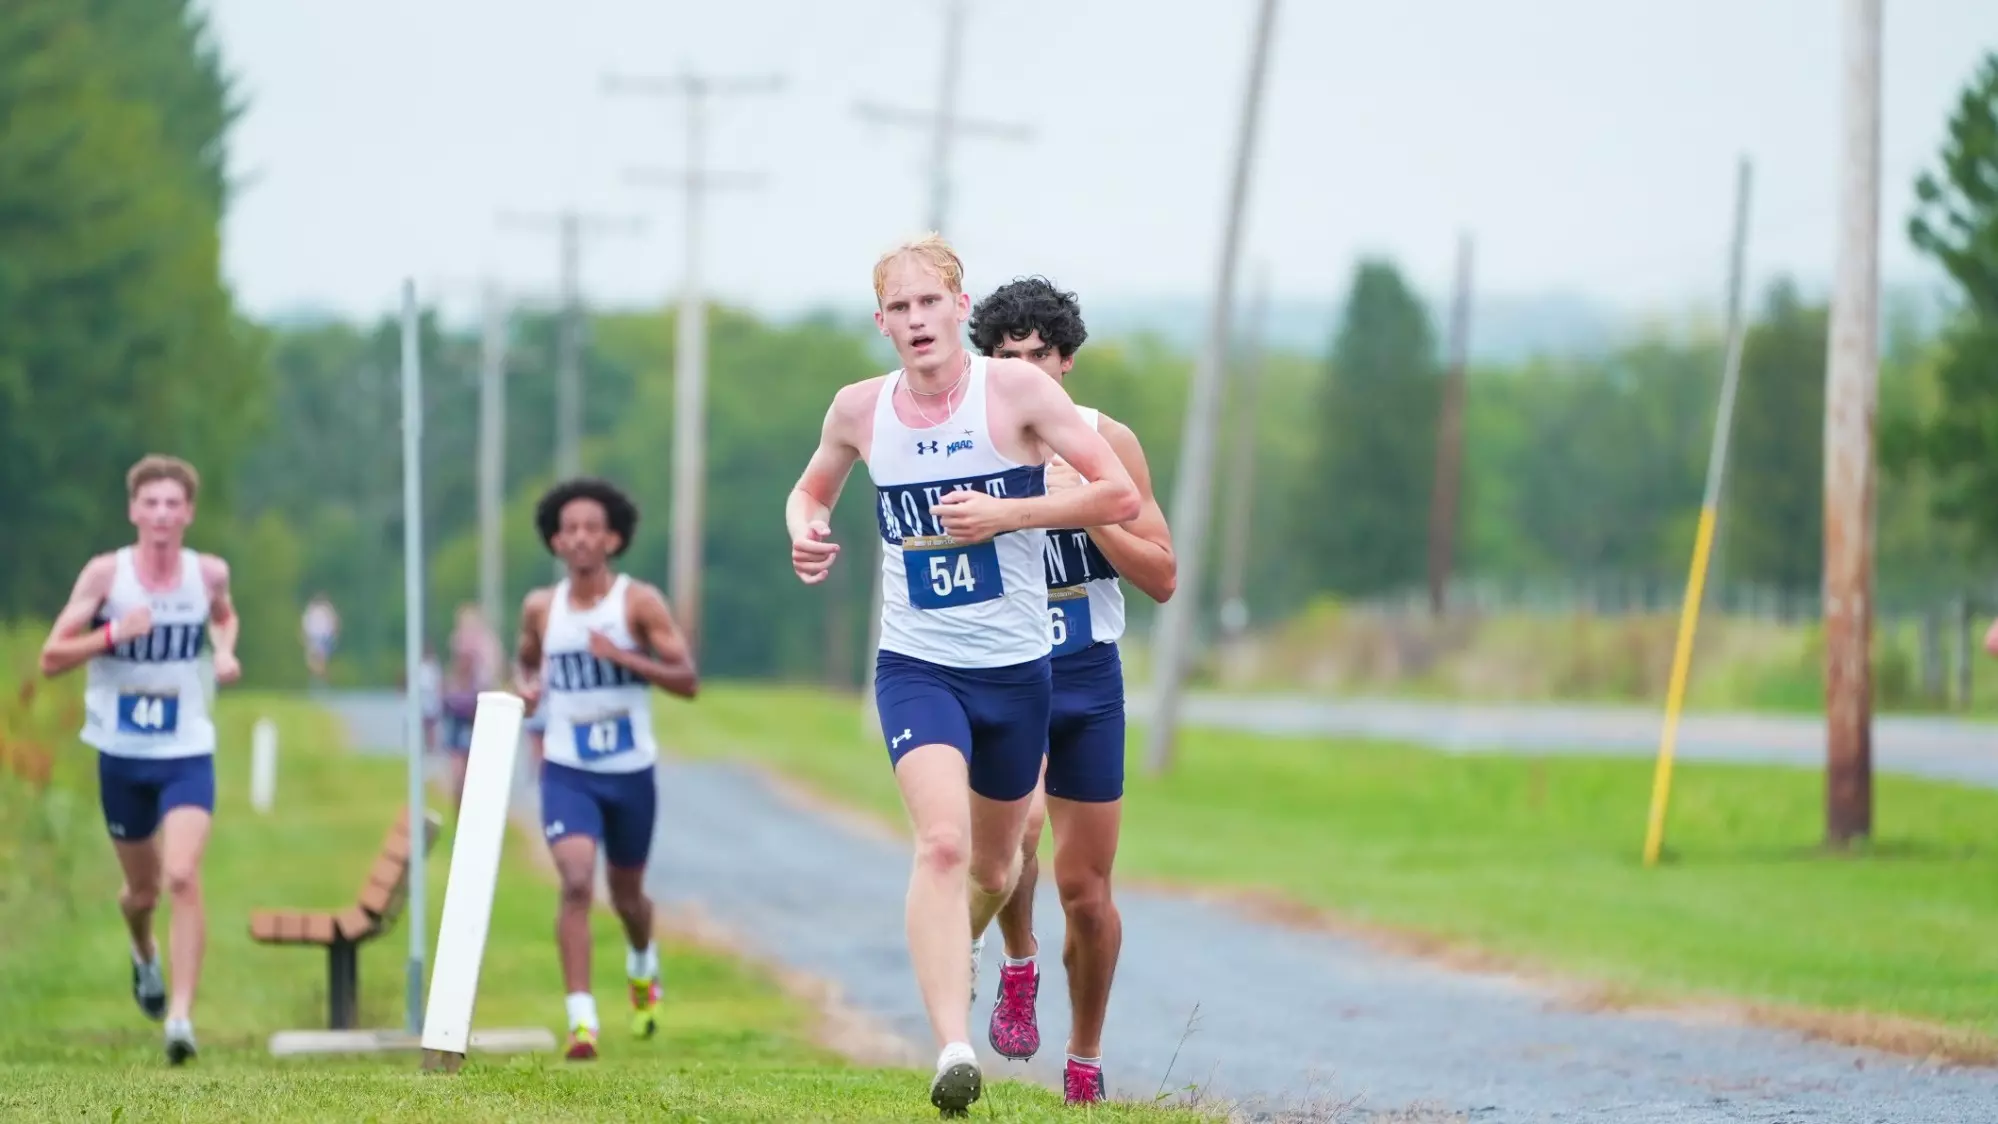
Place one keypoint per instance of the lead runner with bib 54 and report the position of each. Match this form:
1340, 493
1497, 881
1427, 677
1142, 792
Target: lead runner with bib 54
958, 447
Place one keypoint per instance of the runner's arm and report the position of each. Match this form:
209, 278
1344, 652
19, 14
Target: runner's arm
1142, 548
670, 666
527, 648
72, 642
224, 624
808, 509
1108, 496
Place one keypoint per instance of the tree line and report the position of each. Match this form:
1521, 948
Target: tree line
118, 337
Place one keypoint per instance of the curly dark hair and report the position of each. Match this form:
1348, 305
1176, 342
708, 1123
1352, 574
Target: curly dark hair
1024, 306
618, 509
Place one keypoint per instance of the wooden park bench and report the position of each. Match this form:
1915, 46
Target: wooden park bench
341, 934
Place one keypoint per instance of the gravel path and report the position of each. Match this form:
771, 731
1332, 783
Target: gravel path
1285, 1024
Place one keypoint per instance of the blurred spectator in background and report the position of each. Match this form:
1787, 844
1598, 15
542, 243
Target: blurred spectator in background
476, 658
321, 628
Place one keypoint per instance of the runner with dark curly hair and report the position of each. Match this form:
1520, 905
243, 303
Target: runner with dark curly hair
591, 648
1082, 784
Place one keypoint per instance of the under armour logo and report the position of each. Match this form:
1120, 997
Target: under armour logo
896, 741
553, 830
925, 447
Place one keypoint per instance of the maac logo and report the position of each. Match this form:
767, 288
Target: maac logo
925, 447
957, 446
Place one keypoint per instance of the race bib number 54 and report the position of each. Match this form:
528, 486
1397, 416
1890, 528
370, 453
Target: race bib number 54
148, 714
945, 575
604, 737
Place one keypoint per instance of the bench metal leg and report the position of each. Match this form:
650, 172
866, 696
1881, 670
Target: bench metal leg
343, 985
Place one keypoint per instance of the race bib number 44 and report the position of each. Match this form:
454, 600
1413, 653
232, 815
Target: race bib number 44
1068, 620
604, 737
148, 714
945, 575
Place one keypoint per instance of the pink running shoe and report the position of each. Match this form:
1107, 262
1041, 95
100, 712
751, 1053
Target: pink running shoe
1082, 1084
1013, 1032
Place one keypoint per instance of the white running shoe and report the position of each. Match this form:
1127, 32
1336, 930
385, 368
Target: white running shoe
957, 1083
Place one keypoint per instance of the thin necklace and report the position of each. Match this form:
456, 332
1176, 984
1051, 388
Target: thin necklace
946, 392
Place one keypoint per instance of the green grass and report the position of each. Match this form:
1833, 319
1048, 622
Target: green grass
1739, 663
1535, 861
733, 1045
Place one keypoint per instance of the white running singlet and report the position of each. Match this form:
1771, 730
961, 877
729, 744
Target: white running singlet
983, 605
599, 713
1085, 600
146, 697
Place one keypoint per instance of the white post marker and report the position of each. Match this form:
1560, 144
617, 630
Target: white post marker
263, 764
468, 887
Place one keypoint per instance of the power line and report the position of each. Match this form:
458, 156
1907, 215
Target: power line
690, 352
1851, 397
1191, 495
1241, 504
1450, 437
571, 228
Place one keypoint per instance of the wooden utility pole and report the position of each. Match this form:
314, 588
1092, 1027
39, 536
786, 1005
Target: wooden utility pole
571, 227
1450, 438
944, 124
690, 347
1193, 488
1851, 395
492, 455
1237, 516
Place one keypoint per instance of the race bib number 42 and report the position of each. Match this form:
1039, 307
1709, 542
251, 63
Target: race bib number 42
148, 714
604, 737
1068, 619
945, 575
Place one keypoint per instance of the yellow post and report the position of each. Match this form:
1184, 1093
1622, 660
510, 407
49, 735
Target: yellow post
1675, 690
1703, 540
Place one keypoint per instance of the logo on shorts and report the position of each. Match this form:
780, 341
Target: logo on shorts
553, 830
896, 741
925, 447
958, 446
117, 829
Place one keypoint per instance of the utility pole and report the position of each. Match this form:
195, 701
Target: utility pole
492, 454
1851, 396
1450, 437
1242, 472
1704, 530
1191, 493
690, 344
571, 227
944, 124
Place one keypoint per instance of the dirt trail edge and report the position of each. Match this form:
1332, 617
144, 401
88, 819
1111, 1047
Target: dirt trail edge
1279, 1022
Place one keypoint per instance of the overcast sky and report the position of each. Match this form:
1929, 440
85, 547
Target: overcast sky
1589, 144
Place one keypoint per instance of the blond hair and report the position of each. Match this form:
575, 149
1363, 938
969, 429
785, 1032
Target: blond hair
158, 466
932, 251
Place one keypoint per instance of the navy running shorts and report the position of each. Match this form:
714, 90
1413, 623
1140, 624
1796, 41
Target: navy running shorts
616, 809
997, 717
138, 792
1086, 726
459, 707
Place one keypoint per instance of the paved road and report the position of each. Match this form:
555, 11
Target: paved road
1944, 748
1282, 1022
